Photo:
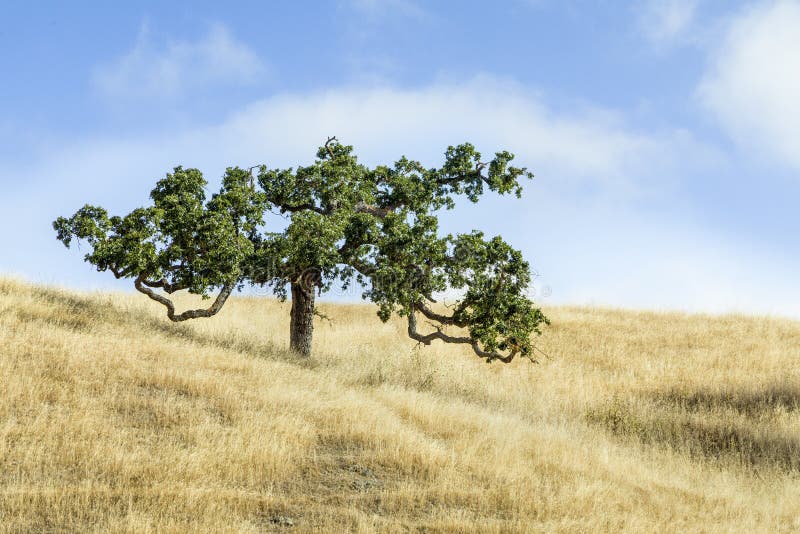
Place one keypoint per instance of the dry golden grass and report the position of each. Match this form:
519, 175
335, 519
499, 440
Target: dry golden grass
114, 419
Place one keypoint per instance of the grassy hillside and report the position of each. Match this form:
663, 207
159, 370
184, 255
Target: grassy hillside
112, 418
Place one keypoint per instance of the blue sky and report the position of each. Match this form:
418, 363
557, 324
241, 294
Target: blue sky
664, 134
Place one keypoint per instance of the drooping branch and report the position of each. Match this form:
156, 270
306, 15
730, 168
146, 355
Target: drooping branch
120, 273
141, 285
165, 285
443, 319
426, 339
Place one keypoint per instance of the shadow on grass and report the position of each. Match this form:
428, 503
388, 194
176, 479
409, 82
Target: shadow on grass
85, 314
724, 426
753, 402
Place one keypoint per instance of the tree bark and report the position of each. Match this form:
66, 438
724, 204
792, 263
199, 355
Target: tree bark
302, 319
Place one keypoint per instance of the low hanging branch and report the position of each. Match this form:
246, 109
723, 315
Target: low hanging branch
346, 222
426, 339
443, 319
216, 306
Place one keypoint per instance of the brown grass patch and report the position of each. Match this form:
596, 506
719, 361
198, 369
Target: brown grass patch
113, 419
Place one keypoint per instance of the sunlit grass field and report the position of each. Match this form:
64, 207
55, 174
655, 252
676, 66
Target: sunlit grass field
114, 419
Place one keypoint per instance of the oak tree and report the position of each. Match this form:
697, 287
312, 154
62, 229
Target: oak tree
346, 223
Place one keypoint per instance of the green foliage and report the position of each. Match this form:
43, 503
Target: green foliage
346, 223
181, 239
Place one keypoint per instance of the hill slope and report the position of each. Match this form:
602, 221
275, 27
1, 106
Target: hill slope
112, 418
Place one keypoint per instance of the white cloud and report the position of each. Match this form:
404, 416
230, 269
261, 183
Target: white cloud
475, 111
578, 223
589, 149
635, 261
665, 21
167, 72
753, 82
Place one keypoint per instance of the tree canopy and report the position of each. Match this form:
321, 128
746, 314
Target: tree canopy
347, 223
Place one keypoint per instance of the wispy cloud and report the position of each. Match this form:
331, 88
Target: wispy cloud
753, 81
665, 22
580, 222
169, 71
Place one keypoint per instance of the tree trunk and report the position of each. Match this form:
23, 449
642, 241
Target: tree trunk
302, 319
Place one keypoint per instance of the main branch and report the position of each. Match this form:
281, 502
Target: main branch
142, 286
426, 339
